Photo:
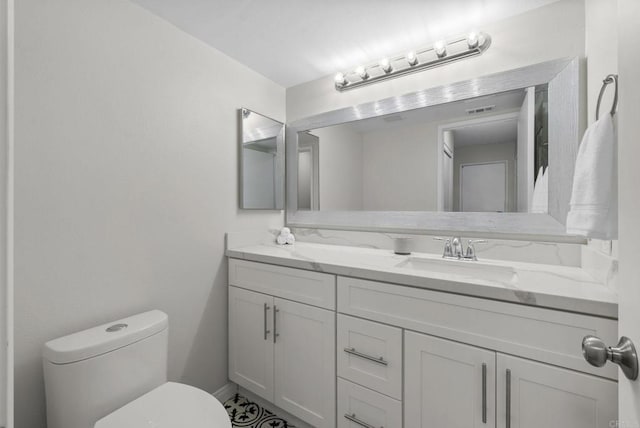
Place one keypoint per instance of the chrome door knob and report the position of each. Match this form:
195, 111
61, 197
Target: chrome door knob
624, 354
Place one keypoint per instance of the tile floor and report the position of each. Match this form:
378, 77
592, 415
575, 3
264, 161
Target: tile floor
247, 414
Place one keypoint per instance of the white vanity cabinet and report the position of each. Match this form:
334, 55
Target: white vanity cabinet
395, 356
281, 350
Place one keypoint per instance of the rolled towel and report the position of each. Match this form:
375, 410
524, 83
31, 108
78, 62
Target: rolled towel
291, 239
281, 239
285, 231
594, 200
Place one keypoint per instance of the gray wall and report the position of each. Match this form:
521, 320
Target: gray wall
126, 181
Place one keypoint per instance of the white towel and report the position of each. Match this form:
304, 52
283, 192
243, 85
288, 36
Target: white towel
594, 199
540, 198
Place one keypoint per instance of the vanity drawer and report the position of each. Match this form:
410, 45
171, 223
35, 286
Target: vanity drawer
357, 404
370, 354
539, 334
312, 288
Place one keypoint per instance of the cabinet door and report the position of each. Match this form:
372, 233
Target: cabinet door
251, 341
305, 369
540, 395
448, 384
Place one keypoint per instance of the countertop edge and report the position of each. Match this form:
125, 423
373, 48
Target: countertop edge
535, 299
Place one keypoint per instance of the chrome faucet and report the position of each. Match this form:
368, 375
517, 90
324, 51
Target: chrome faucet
454, 248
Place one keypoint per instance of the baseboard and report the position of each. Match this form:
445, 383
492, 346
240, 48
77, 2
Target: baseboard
227, 391
298, 423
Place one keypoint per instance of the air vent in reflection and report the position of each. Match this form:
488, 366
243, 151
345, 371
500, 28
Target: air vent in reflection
392, 118
483, 109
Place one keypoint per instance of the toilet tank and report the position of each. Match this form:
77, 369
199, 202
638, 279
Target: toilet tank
94, 372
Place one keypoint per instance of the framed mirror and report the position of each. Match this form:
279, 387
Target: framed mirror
492, 156
262, 162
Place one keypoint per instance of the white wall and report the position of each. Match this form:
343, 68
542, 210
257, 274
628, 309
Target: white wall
601, 37
400, 168
486, 153
126, 181
550, 32
340, 151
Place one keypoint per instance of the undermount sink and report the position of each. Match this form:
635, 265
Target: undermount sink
467, 268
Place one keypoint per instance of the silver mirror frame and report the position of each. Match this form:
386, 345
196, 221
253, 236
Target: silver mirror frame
567, 122
280, 167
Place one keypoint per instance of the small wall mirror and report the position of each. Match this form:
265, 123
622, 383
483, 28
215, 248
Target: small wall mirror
261, 162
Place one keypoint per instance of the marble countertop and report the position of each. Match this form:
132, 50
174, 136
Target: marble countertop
550, 286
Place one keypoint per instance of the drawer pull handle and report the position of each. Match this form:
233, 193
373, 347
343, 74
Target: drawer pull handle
352, 417
275, 328
484, 393
508, 404
379, 360
266, 331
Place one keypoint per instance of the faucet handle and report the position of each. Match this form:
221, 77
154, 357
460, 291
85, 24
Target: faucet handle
471, 249
447, 252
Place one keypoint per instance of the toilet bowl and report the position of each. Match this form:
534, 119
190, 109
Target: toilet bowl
115, 376
169, 405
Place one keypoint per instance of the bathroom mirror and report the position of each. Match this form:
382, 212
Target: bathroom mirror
261, 162
492, 155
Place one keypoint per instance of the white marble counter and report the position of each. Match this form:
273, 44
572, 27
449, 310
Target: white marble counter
551, 286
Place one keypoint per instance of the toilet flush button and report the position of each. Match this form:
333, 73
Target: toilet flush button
116, 327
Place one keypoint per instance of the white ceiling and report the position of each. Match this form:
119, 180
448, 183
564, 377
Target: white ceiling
295, 41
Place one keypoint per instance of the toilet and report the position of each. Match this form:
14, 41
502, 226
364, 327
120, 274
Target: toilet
115, 376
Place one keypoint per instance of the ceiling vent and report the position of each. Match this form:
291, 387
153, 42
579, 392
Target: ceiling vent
478, 110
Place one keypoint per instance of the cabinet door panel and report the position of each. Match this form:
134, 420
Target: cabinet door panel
305, 373
250, 354
552, 397
444, 384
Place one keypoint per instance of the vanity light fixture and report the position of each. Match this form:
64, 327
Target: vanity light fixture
412, 59
473, 40
440, 48
442, 52
362, 72
385, 65
340, 79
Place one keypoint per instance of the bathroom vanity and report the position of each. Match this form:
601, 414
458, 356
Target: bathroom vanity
355, 337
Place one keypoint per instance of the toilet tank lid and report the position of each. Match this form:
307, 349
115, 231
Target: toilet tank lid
104, 338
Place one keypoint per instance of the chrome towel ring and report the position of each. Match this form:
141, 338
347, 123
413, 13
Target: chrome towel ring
612, 78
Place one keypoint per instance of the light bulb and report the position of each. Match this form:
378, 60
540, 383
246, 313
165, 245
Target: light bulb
440, 48
362, 72
412, 59
385, 65
340, 79
472, 40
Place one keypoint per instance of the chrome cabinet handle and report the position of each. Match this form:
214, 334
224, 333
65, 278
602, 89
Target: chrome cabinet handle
352, 417
266, 332
624, 354
379, 360
508, 417
484, 393
275, 329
